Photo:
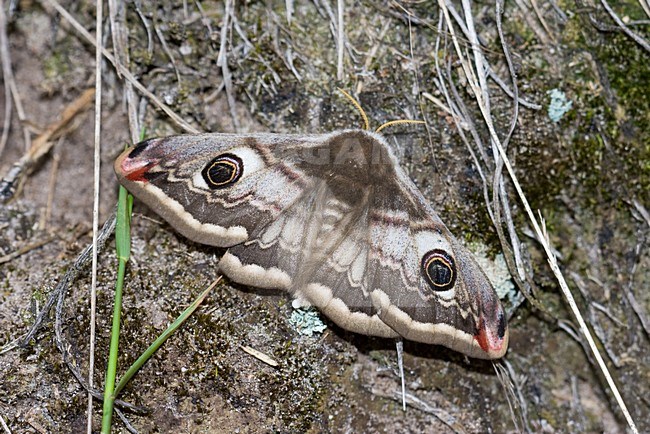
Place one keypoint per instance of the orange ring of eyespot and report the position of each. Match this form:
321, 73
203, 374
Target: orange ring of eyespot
232, 176
442, 257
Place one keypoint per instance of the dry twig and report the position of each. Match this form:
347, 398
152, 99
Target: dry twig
99, 7
41, 145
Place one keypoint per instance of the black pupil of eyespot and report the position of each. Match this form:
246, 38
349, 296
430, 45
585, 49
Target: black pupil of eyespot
222, 171
439, 270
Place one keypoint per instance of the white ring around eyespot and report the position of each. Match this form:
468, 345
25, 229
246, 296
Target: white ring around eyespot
430, 240
251, 162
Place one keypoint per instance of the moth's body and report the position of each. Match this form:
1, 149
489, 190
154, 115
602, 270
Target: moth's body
332, 219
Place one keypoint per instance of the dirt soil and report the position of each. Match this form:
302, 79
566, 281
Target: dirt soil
588, 174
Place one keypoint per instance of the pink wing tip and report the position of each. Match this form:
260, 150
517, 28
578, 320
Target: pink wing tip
132, 165
493, 337
134, 170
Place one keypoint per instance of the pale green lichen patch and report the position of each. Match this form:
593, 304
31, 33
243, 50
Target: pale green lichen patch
559, 104
307, 321
496, 270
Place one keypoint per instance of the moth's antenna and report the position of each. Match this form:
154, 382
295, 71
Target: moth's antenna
397, 122
366, 123
355, 103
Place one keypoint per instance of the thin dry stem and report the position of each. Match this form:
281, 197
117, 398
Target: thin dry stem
99, 8
28, 248
372, 53
646, 7
147, 27
7, 75
528, 16
259, 355
340, 47
222, 61
415, 402
498, 183
438, 103
4, 425
11, 90
540, 17
56, 159
513, 394
121, 50
168, 52
289, 7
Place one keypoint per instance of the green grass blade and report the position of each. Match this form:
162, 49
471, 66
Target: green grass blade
162, 338
123, 247
123, 226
